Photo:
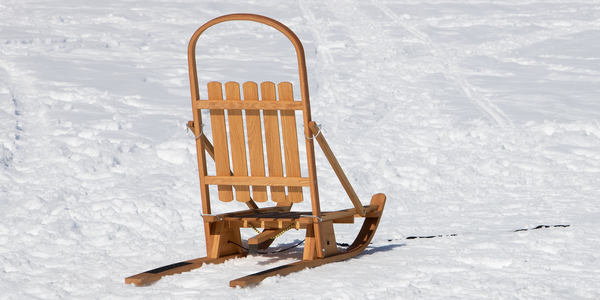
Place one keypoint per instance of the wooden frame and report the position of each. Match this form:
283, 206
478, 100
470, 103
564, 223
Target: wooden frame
245, 125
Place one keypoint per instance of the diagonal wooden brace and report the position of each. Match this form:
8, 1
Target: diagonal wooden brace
360, 210
255, 242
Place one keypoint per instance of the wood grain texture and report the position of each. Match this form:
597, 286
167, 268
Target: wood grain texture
272, 140
255, 141
337, 168
278, 125
290, 141
237, 138
185, 266
361, 242
219, 132
259, 181
226, 104
211, 152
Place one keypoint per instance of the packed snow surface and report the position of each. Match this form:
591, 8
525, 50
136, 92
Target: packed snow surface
475, 118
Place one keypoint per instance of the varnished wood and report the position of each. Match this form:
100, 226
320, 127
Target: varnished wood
272, 140
184, 266
237, 138
208, 147
285, 206
255, 141
344, 220
329, 243
333, 215
258, 181
220, 237
361, 242
258, 125
337, 168
290, 141
219, 132
267, 224
264, 236
303, 80
226, 104
275, 214
201, 158
211, 152
319, 240
253, 211
309, 244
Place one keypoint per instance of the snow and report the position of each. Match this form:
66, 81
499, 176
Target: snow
475, 118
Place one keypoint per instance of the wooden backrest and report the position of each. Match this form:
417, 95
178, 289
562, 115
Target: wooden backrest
242, 129
228, 129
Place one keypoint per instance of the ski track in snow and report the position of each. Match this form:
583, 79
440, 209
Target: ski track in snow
475, 118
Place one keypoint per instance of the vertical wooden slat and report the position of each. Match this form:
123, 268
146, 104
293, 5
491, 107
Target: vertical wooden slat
290, 141
255, 141
238, 141
219, 132
272, 141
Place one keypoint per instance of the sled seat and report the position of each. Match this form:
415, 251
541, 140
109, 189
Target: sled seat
263, 218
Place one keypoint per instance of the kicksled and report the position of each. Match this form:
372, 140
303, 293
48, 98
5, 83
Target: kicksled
255, 151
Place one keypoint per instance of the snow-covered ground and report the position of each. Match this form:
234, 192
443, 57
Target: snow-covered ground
475, 117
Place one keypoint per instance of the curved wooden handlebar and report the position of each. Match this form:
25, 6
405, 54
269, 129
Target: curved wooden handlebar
255, 18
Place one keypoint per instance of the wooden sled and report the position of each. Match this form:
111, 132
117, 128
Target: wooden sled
242, 131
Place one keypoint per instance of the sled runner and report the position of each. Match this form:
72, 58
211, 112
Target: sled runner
245, 127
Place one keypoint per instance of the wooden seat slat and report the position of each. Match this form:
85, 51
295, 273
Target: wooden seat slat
294, 216
272, 215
